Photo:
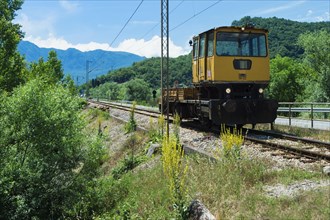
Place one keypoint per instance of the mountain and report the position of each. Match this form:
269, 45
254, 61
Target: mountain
74, 62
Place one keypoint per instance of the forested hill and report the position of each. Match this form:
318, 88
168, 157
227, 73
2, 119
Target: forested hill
283, 33
149, 71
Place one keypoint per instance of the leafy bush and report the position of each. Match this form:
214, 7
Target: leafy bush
137, 89
47, 166
126, 165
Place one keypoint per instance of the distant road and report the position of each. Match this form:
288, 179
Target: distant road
322, 125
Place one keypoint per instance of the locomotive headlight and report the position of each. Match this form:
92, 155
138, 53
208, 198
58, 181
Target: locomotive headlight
261, 90
228, 90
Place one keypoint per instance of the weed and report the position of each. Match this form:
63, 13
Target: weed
176, 130
131, 124
176, 172
154, 132
231, 143
161, 125
127, 164
98, 113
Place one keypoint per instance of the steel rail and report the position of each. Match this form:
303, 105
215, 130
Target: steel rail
292, 150
289, 137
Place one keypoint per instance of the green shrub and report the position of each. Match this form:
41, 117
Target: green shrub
47, 166
127, 164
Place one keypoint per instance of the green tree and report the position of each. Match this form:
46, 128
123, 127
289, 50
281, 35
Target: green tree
45, 166
69, 84
287, 79
122, 75
316, 47
113, 90
109, 90
51, 71
12, 66
138, 90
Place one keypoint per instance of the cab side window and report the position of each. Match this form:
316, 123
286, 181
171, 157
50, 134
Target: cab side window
195, 49
210, 44
202, 46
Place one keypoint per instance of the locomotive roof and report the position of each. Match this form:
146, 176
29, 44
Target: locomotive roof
236, 27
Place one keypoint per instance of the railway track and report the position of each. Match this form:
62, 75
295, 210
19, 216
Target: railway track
301, 147
304, 148
127, 107
312, 151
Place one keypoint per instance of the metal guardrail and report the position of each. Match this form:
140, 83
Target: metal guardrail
313, 107
316, 110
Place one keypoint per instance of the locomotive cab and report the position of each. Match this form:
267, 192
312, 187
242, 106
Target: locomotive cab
230, 70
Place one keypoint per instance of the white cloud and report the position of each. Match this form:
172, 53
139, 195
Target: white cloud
37, 27
309, 13
324, 17
283, 7
68, 6
140, 47
60, 43
149, 48
311, 16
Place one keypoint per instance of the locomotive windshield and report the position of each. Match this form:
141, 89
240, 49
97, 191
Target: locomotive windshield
241, 44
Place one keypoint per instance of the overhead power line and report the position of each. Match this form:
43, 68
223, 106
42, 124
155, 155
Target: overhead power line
130, 18
151, 29
179, 25
195, 15
127, 22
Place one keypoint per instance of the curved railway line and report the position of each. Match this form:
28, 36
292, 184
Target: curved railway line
304, 147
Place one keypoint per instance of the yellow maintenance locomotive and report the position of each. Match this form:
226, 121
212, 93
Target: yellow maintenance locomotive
230, 70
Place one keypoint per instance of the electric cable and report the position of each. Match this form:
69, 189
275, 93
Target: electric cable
137, 8
195, 15
179, 25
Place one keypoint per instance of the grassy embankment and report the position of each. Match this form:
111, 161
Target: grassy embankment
232, 188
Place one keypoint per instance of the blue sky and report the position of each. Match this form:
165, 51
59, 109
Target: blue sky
89, 25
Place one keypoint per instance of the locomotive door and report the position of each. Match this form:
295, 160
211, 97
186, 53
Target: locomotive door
195, 61
202, 58
209, 56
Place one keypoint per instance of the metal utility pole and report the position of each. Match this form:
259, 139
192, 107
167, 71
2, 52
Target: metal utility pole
87, 70
165, 58
87, 76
